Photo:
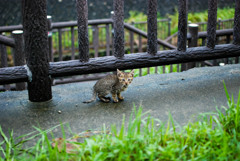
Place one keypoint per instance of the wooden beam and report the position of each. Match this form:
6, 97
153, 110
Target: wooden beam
129, 61
7, 41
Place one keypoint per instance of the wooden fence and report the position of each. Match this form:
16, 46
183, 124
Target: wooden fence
38, 71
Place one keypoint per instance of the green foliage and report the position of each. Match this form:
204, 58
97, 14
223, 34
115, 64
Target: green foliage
215, 136
136, 16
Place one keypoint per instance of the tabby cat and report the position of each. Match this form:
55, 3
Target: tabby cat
114, 84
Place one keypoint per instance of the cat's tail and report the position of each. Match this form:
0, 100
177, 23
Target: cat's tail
94, 96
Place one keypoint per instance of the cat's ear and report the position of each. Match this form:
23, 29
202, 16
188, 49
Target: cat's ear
132, 72
119, 72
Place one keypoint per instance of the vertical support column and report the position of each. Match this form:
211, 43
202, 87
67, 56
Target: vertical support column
4, 62
169, 26
131, 40
95, 40
82, 19
152, 27
107, 40
36, 49
72, 43
212, 23
182, 25
19, 56
49, 20
118, 25
193, 30
60, 44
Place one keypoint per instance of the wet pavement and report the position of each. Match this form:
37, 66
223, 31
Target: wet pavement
184, 95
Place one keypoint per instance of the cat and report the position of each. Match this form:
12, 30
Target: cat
112, 83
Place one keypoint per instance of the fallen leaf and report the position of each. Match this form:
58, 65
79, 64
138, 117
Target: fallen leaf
61, 143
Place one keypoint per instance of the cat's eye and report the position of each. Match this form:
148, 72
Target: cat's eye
129, 79
123, 79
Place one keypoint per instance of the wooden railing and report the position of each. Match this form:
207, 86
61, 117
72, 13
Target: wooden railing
38, 70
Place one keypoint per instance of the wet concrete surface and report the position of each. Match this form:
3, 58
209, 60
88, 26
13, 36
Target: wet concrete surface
184, 95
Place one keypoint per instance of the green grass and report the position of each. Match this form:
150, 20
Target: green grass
224, 13
215, 136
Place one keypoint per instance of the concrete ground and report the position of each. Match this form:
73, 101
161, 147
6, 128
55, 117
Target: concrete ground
184, 95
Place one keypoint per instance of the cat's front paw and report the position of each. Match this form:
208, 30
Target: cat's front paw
121, 98
115, 100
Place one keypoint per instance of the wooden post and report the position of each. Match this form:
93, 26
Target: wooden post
82, 18
60, 44
131, 40
193, 30
95, 31
36, 49
182, 25
4, 62
169, 26
118, 25
19, 56
3, 51
72, 43
212, 23
152, 27
107, 40
50, 54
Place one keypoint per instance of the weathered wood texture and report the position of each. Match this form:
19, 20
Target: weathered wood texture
129, 61
118, 25
3, 51
36, 49
19, 56
203, 34
72, 43
82, 19
7, 41
152, 27
193, 42
236, 28
50, 52
212, 23
182, 25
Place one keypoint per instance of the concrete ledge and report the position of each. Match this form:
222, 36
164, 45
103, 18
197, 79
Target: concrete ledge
183, 94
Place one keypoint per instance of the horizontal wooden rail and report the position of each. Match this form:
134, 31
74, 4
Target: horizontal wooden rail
7, 41
223, 32
129, 61
144, 34
56, 25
